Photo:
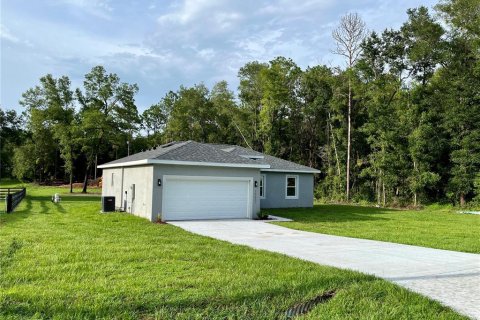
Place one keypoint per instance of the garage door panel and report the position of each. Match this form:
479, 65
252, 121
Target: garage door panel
205, 198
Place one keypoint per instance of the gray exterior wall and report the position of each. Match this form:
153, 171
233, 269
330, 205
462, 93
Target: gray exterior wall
275, 190
117, 181
161, 170
148, 195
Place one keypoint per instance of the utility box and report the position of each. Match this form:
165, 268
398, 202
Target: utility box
108, 204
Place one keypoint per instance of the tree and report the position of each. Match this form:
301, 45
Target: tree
424, 46
251, 95
24, 163
348, 37
192, 115
108, 114
12, 135
463, 16
155, 118
49, 109
227, 115
280, 116
316, 94
61, 114
457, 85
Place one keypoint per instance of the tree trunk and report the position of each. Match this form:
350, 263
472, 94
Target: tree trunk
71, 181
55, 165
462, 199
95, 172
349, 138
85, 180
71, 170
414, 199
377, 191
384, 196
334, 145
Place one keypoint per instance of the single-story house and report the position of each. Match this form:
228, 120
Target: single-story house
191, 180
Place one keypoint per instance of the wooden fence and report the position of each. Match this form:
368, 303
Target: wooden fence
12, 197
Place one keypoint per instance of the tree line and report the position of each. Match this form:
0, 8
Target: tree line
398, 125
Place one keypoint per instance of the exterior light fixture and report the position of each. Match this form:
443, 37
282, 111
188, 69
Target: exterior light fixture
159, 182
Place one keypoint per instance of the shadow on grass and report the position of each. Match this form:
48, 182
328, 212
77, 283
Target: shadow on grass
66, 198
42, 205
333, 213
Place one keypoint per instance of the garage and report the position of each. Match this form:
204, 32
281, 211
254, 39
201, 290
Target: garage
196, 198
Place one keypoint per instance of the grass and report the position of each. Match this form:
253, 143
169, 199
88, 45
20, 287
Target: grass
68, 261
435, 226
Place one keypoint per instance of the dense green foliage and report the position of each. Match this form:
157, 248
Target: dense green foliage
71, 262
435, 226
402, 121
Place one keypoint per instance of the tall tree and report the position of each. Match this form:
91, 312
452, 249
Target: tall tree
280, 115
458, 84
50, 114
315, 94
227, 115
12, 135
155, 118
108, 114
251, 91
192, 115
349, 36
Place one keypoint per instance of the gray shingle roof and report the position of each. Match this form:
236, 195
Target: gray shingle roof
191, 151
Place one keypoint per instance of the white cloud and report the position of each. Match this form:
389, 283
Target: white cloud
7, 35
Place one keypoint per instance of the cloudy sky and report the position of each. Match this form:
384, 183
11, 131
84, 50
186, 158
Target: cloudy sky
162, 44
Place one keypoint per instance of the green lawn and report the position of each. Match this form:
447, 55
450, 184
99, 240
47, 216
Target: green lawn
68, 261
435, 226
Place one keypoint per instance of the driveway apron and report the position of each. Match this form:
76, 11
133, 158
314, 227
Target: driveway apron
450, 277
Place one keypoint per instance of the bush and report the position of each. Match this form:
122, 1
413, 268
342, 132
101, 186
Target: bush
262, 215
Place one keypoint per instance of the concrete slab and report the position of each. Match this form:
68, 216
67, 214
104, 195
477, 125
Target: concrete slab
450, 277
277, 218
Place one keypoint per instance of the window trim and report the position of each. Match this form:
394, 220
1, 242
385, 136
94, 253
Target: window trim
263, 187
297, 179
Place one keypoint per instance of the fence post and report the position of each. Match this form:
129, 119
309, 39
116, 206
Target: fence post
9, 202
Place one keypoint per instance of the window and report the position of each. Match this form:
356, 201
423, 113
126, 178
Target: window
262, 186
291, 187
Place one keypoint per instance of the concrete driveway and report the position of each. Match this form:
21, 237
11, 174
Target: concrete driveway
451, 277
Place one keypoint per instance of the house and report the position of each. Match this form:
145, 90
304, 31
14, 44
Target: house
191, 180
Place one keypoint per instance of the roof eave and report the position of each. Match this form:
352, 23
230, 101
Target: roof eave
183, 163
292, 170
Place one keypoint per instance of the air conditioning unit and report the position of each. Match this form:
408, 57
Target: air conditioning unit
108, 204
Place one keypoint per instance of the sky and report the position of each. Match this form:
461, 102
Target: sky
162, 44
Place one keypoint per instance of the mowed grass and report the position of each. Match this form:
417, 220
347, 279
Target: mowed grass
68, 261
438, 227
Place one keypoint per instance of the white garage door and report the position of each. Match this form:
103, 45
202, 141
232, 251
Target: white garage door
190, 198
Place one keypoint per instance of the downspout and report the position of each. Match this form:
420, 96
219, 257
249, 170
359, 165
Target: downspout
121, 191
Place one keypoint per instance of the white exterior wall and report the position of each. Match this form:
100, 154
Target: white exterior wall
123, 179
112, 184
